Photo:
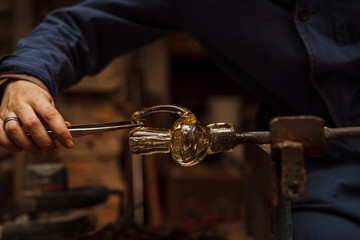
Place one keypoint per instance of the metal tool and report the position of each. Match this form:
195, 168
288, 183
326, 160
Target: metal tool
290, 140
93, 128
331, 134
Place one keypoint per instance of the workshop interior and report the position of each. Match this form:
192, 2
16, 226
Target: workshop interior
132, 183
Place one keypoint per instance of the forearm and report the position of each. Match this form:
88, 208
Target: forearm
81, 40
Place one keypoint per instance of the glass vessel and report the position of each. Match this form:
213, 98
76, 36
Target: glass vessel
187, 141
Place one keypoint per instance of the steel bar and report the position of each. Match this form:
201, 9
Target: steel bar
342, 133
260, 137
263, 137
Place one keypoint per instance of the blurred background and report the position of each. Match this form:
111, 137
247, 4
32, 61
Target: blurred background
173, 70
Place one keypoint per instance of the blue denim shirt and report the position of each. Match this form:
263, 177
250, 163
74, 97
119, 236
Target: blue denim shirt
302, 57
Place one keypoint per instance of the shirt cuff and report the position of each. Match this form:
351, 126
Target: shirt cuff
11, 77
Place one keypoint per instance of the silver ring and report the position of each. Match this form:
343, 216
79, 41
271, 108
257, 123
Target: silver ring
11, 118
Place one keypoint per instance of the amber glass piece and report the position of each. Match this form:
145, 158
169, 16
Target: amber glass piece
187, 141
145, 140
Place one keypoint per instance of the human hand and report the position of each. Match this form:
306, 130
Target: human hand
34, 107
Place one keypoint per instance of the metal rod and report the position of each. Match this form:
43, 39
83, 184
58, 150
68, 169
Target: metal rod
342, 133
263, 137
260, 137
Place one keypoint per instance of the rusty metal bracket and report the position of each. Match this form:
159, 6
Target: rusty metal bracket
292, 139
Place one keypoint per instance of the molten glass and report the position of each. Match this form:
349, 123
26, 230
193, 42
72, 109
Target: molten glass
187, 141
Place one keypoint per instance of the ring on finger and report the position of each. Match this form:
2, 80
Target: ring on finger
11, 119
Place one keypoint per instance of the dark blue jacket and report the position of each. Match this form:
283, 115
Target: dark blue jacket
302, 57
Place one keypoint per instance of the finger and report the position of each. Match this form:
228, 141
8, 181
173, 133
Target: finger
55, 122
36, 129
18, 136
5, 141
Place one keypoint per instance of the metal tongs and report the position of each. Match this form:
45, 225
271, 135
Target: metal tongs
93, 128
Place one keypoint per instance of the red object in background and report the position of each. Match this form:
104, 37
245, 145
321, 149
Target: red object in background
203, 223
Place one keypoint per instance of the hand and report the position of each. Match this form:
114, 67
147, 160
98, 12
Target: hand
34, 107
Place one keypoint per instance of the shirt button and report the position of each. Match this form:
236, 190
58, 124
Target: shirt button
304, 14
